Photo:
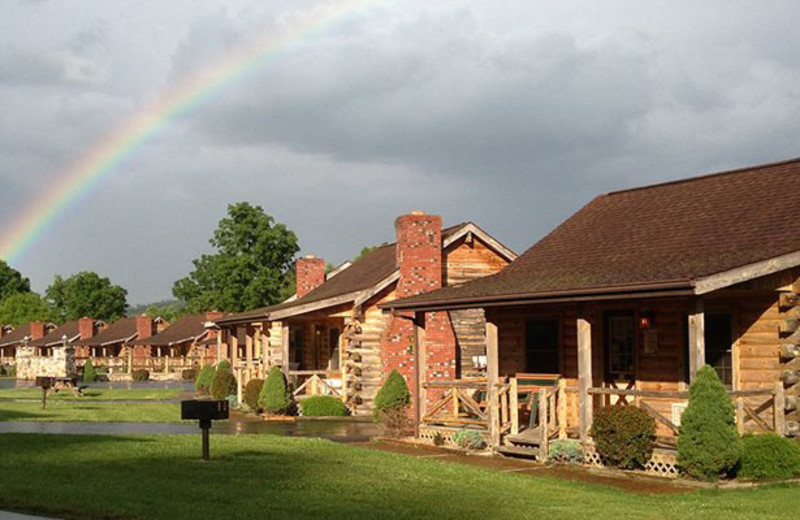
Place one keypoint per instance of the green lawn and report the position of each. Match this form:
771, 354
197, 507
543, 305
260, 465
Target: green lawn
279, 477
88, 411
95, 393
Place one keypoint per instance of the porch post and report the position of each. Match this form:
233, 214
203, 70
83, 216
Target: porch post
234, 342
697, 339
585, 376
285, 347
219, 343
249, 346
492, 374
420, 371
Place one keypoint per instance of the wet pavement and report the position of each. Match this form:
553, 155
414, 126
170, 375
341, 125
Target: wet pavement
8, 384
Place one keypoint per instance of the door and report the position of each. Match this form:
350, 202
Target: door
620, 347
334, 361
542, 347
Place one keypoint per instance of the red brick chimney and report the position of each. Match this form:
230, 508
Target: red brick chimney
37, 330
86, 328
144, 326
310, 274
419, 253
214, 315
2, 330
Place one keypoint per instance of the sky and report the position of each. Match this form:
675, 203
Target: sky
506, 113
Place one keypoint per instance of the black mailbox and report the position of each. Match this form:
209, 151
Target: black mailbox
45, 382
205, 412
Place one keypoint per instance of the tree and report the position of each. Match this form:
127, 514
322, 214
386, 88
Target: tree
367, 250
249, 268
21, 308
12, 281
87, 294
275, 397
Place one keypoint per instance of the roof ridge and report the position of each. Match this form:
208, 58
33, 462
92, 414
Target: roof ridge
704, 176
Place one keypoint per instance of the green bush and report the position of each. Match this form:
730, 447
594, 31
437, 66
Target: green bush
11, 370
769, 456
89, 373
189, 374
566, 451
223, 385
3, 370
275, 398
623, 436
205, 378
393, 394
469, 439
708, 444
102, 370
252, 391
224, 365
323, 406
140, 375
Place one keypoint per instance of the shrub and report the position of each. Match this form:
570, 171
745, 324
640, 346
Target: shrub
566, 452
438, 439
323, 406
189, 374
224, 365
469, 440
223, 384
275, 396
252, 390
769, 456
2, 370
708, 444
623, 436
205, 378
11, 370
89, 373
394, 393
140, 375
102, 370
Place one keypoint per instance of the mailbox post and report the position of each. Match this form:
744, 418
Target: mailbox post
205, 412
46, 383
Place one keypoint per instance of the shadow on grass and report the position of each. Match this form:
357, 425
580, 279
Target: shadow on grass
18, 415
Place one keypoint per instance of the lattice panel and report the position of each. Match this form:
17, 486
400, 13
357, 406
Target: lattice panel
428, 434
662, 463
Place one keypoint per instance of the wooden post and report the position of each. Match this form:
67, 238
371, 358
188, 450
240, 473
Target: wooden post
234, 342
420, 371
740, 415
239, 385
285, 347
514, 390
543, 424
219, 344
585, 376
562, 408
780, 409
492, 376
697, 340
248, 349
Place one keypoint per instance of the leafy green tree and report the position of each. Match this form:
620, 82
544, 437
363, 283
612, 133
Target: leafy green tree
249, 268
393, 394
87, 294
275, 396
12, 281
367, 250
20, 308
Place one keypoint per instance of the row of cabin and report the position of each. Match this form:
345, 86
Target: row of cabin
618, 306
130, 343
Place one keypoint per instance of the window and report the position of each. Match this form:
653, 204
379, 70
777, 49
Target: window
333, 345
719, 345
620, 346
542, 346
297, 347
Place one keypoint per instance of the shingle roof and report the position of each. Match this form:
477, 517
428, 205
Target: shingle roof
69, 329
366, 272
16, 336
187, 328
670, 233
121, 330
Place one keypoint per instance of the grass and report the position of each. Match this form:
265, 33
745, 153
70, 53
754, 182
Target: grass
106, 394
87, 411
160, 476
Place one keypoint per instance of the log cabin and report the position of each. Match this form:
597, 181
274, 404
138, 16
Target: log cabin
12, 337
113, 347
189, 342
332, 338
36, 353
620, 305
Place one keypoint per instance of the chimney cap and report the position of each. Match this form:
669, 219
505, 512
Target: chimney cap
310, 257
417, 212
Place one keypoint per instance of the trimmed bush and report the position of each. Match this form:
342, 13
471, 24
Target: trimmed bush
623, 436
469, 440
223, 385
205, 378
394, 393
189, 374
224, 365
769, 456
252, 391
566, 452
102, 370
275, 398
140, 375
89, 373
708, 445
323, 406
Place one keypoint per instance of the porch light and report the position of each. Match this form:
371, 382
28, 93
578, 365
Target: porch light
647, 320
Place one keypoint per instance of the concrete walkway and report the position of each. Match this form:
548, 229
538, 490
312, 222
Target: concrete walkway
5, 515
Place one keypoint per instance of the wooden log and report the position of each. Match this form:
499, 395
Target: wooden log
790, 402
789, 326
789, 351
514, 394
562, 408
740, 415
788, 300
697, 343
792, 428
543, 425
790, 377
779, 409
585, 376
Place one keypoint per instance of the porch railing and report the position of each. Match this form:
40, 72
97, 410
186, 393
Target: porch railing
461, 402
315, 382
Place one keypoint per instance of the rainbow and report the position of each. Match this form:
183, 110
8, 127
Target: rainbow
77, 182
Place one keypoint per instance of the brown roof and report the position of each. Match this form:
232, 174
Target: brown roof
16, 336
365, 272
120, 331
69, 329
665, 235
187, 328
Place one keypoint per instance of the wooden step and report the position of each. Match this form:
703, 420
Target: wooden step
529, 436
519, 451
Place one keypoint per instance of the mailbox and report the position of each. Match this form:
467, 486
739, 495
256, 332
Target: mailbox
205, 410
45, 382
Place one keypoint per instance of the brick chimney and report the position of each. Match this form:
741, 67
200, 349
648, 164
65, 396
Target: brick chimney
37, 330
86, 328
144, 326
419, 253
214, 315
2, 330
310, 274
